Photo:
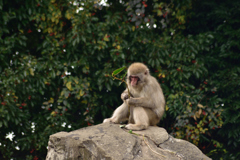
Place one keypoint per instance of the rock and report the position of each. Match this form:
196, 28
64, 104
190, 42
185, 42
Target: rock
110, 142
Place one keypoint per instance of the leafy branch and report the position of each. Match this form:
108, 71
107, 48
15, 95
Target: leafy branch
114, 74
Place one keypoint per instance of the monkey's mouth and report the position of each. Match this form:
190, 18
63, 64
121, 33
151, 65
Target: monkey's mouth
134, 80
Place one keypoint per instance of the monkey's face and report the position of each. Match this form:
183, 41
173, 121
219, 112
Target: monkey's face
137, 75
134, 80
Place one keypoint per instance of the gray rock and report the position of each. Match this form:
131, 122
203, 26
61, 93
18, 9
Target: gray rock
110, 142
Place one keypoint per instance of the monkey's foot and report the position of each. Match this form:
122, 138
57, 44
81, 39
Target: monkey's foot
136, 127
107, 120
110, 120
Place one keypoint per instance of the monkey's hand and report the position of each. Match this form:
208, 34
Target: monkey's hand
124, 96
132, 101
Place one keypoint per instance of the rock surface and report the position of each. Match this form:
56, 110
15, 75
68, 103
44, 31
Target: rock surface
110, 142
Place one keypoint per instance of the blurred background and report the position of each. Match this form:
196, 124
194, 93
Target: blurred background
57, 56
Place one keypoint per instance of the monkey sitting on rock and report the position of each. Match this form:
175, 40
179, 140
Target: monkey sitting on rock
146, 103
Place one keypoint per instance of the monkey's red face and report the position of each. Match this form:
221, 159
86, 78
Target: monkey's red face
137, 75
134, 80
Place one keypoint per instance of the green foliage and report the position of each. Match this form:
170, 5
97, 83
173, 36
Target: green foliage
222, 62
57, 58
117, 71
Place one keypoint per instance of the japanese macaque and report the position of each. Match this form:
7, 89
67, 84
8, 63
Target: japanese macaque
146, 102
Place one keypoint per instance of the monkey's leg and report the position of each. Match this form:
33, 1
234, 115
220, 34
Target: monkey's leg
130, 119
153, 118
120, 114
140, 118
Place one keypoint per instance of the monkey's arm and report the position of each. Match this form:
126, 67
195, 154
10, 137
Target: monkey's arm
141, 101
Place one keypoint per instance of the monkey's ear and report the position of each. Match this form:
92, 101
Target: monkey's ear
146, 72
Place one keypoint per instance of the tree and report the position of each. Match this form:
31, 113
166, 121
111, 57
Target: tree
57, 57
222, 20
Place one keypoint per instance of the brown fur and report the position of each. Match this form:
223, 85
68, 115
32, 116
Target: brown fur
146, 104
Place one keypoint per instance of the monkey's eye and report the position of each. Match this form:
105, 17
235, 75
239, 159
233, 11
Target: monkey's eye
134, 78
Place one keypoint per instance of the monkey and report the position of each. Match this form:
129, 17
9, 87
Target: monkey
147, 102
